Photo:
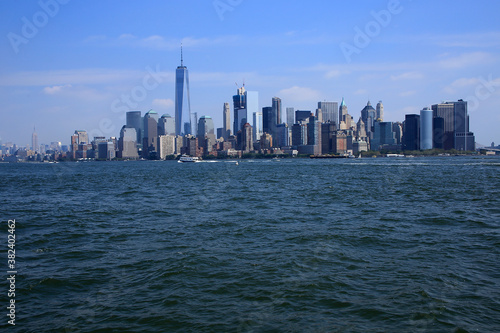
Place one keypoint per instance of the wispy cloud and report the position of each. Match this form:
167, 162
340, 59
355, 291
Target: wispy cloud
163, 104
55, 89
408, 93
407, 76
469, 40
76, 77
300, 94
467, 60
158, 42
81, 93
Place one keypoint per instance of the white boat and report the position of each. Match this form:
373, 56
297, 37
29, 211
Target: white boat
189, 159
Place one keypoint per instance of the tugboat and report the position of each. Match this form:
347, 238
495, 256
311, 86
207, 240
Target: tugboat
189, 159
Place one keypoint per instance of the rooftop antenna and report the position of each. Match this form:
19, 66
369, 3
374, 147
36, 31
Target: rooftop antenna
182, 62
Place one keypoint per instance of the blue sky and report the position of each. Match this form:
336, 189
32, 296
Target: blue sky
73, 70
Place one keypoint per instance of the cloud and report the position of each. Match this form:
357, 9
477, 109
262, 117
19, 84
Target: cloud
467, 60
410, 110
158, 42
470, 40
162, 104
408, 93
361, 92
81, 92
300, 94
333, 74
461, 83
79, 77
407, 76
55, 89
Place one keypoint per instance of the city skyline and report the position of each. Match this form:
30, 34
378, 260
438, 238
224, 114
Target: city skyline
60, 78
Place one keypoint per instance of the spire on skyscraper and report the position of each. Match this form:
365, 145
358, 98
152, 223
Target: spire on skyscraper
182, 61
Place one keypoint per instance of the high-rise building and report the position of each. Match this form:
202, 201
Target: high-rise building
183, 116
127, 144
411, 132
382, 135
290, 116
106, 150
226, 117
266, 141
302, 115
319, 115
330, 112
257, 126
397, 128
455, 132
83, 137
34, 141
247, 138
267, 116
327, 132
299, 134
282, 135
342, 112
150, 140
380, 112
314, 132
277, 109
74, 145
239, 109
426, 116
166, 146
369, 114
166, 125
134, 120
361, 130
445, 111
206, 127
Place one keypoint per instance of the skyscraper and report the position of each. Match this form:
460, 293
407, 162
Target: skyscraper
134, 121
290, 117
83, 137
166, 125
127, 146
369, 114
411, 132
330, 112
267, 119
206, 133
34, 141
182, 114
150, 140
455, 126
342, 112
302, 115
382, 135
277, 110
226, 117
426, 116
247, 138
240, 109
257, 126
205, 127
380, 111
282, 135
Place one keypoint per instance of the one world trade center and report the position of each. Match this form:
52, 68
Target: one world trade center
183, 122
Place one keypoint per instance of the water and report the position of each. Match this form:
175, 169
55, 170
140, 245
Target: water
357, 245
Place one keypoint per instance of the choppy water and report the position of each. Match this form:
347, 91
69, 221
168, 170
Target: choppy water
361, 245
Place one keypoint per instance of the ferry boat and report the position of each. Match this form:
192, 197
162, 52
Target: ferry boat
189, 159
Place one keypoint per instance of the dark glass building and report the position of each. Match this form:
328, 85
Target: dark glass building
411, 132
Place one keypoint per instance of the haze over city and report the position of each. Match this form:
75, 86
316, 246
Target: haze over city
70, 65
